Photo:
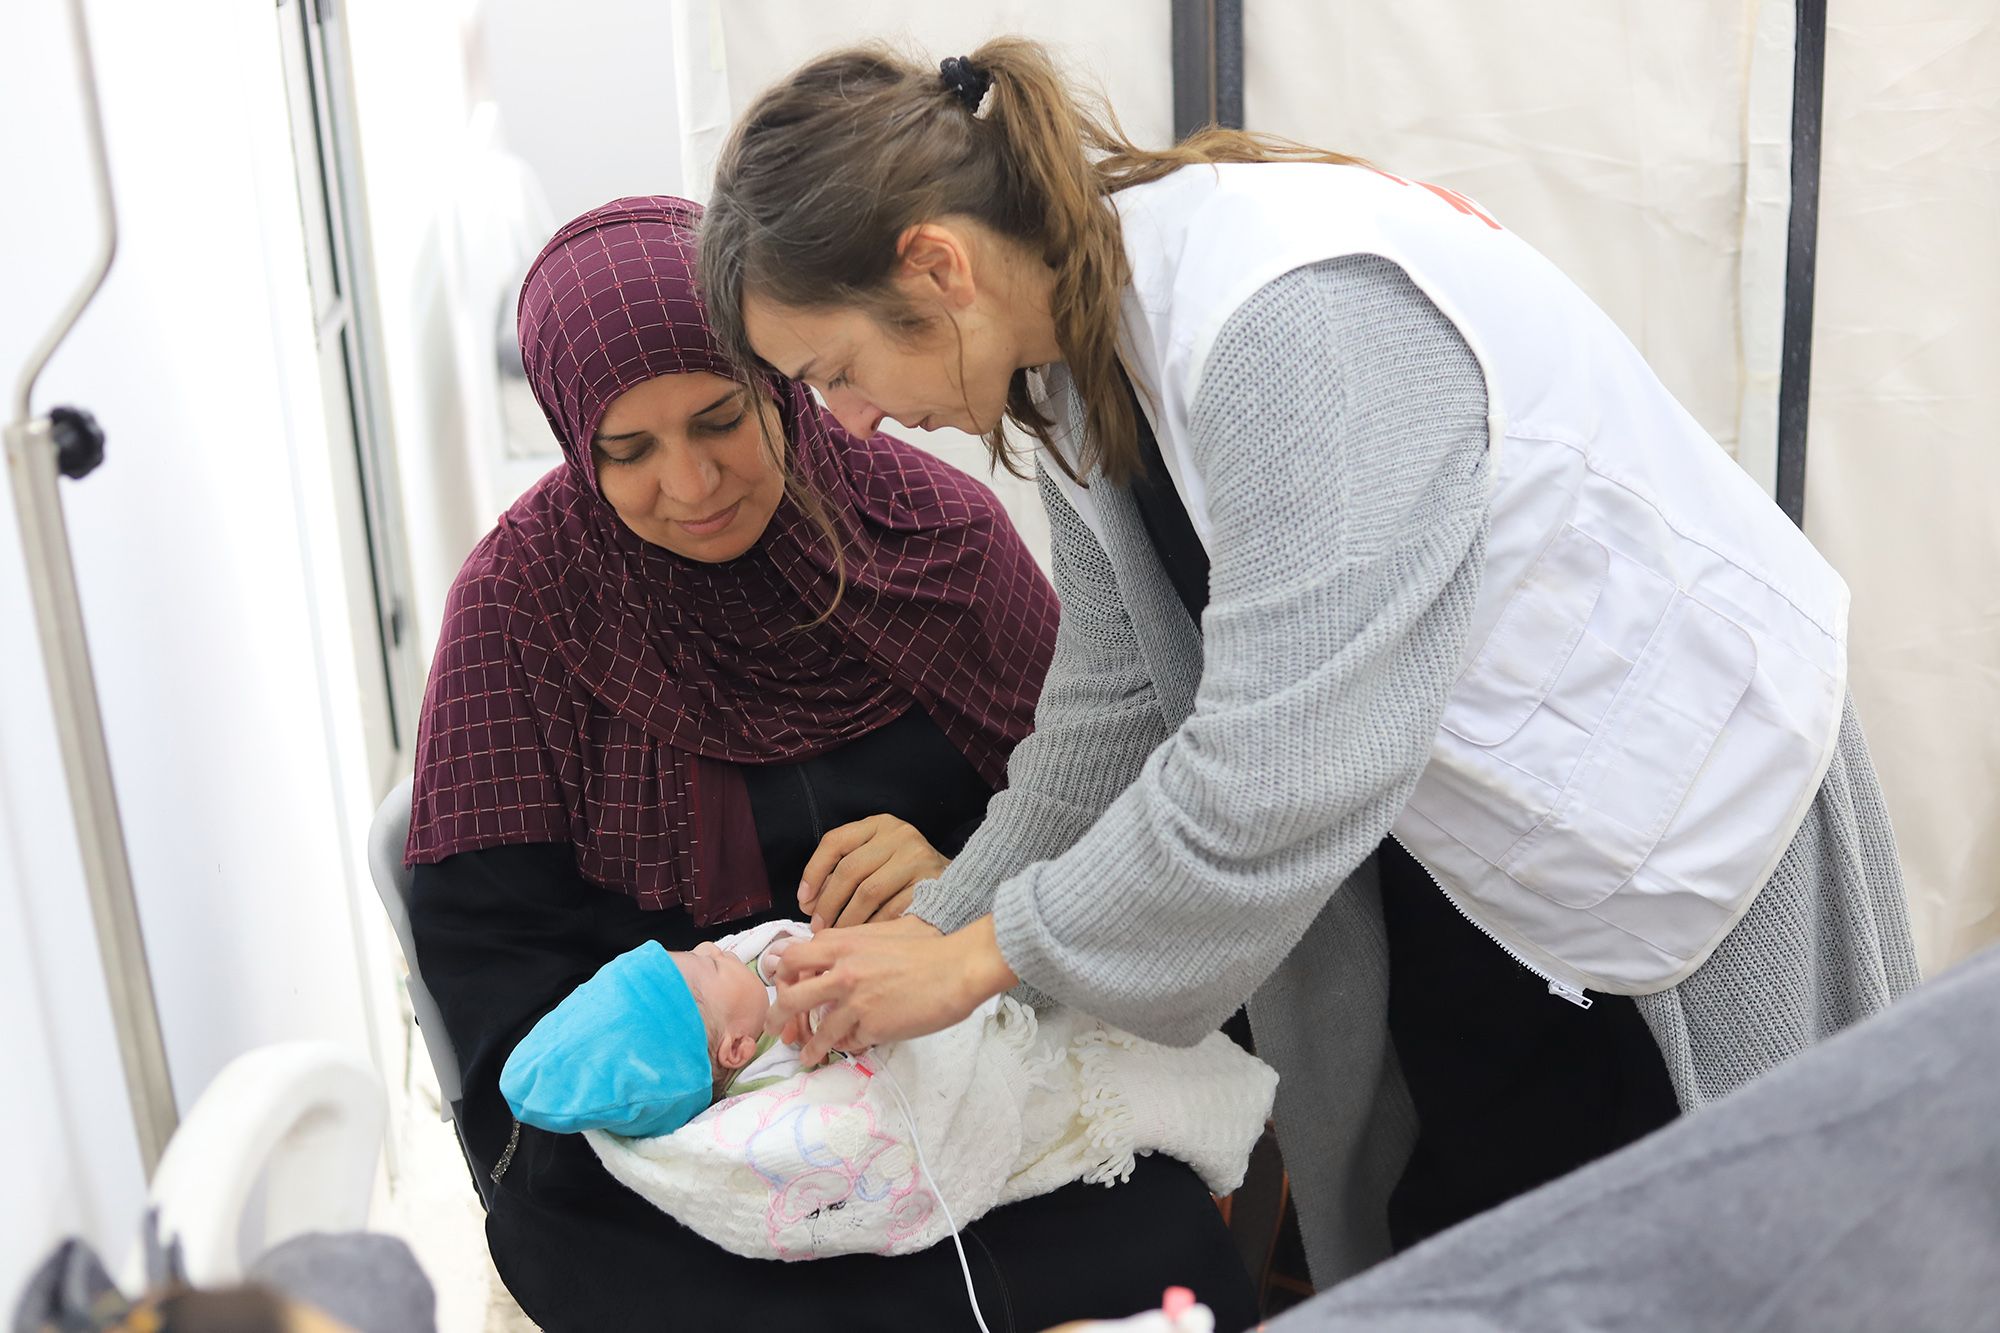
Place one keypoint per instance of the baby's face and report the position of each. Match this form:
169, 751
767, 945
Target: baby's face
732, 999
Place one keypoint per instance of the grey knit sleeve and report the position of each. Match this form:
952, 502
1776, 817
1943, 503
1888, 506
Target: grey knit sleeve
1341, 430
1095, 723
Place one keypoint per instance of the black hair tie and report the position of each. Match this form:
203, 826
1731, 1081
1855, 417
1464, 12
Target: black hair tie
965, 81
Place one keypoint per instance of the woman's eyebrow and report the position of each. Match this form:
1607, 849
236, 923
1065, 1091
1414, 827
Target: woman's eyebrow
729, 397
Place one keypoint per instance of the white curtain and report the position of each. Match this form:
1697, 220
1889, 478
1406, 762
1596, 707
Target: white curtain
1903, 469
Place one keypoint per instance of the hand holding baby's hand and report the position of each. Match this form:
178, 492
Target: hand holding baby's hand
799, 1027
886, 982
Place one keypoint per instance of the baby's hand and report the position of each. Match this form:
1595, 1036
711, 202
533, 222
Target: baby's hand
800, 1026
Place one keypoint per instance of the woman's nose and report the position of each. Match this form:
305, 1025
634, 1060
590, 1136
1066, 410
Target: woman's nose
856, 415
688, 477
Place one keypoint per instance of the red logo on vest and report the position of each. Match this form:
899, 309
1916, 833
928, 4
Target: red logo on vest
1449, 195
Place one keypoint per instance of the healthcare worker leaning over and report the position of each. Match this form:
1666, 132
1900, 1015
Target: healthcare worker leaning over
1393, 558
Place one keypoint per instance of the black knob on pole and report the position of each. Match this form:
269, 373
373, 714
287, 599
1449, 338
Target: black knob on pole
79, 441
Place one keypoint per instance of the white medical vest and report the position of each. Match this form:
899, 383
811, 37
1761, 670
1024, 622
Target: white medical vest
1657, 661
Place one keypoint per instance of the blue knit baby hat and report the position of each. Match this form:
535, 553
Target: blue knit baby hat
626, 1052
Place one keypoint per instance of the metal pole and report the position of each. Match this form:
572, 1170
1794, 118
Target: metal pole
1226, 18
32, 471
1801, 258
1207, 38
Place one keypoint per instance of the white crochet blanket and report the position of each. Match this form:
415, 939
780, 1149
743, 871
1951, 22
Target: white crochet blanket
1007, 1105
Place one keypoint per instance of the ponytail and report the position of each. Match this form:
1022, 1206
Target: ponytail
828, 168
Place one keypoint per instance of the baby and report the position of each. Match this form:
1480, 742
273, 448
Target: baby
588, 1065
730, 981
664, 1056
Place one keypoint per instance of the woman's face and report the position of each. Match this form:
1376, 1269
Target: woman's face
865, 372
682, 460
955, 372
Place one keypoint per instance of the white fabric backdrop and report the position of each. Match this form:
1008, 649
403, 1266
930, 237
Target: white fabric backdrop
1611, 136
1903, 468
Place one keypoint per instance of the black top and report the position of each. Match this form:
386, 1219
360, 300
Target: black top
907, 769
1512, 1085
505, 933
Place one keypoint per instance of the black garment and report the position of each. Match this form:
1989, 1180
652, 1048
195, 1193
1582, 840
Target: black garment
1166, 521
505, 933
1512, 1085
907, 769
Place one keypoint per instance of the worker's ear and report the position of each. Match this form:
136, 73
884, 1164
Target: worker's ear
735, 1051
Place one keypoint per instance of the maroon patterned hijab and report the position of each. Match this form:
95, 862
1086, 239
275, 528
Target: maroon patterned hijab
594, 689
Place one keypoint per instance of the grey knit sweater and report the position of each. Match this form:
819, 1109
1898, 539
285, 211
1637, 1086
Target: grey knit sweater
1191, 823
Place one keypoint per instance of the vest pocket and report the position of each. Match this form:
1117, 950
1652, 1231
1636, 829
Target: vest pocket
1530, 644
1502, 755
1639, 764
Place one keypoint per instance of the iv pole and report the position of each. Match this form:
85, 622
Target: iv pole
69, 441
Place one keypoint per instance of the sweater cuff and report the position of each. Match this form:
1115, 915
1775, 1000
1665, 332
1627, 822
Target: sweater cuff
1024, 944
936, 902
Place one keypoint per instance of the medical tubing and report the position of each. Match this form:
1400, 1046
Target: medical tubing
910, 1119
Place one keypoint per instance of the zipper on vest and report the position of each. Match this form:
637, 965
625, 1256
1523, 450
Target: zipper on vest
1559, 988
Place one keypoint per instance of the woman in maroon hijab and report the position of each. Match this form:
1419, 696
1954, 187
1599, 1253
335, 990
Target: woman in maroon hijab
727, 663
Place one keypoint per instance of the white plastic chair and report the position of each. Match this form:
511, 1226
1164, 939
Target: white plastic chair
303, 1121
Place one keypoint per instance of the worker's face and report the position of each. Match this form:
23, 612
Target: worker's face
683, 459
951, 367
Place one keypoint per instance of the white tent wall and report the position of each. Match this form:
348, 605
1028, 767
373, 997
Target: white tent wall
1903, 464
214, 592
1610, 136
536, 60
483, 124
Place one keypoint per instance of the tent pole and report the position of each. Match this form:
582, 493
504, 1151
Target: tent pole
1207, 64
1801, 256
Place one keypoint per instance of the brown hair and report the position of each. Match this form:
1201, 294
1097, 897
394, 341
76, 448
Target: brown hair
828, 168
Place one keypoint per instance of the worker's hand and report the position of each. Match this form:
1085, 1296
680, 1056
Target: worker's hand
886, 982
796, 1029
866, 871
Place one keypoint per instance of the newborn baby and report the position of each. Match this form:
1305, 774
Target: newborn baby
661, 1060
589, 1065
731, 984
